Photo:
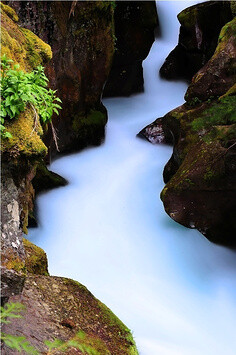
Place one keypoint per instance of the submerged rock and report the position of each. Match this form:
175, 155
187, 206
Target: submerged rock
135, 22
60, 308
199, 32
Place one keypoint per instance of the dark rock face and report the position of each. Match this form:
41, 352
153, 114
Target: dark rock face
200, 176
135, 22
81, 35
219, 74
199, 32
58, 308
11, 283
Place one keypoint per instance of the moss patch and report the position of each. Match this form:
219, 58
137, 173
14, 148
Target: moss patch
36, 259
21, 45
25, 139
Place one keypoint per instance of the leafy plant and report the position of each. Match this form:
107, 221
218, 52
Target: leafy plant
75, 342
19, 89
19, 343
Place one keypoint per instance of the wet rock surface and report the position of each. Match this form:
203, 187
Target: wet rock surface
135, 22
200, 28
59, 308
200, 176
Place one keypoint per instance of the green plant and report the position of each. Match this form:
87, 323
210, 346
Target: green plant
19, 89
75, 342
19, 343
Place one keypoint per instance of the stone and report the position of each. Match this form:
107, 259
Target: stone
60, 308
200, 28
135, 24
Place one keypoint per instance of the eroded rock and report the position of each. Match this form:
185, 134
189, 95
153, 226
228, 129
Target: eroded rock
135, 22
59, 308
200, 28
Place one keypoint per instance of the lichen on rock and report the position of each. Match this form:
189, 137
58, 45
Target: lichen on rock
58, 308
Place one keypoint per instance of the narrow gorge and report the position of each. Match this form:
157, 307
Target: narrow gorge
99, 216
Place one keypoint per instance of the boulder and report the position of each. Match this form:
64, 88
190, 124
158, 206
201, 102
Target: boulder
60, 308
135, 22
199, 31
200, 176
219, 74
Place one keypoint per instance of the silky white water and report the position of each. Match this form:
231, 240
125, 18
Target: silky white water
107, 229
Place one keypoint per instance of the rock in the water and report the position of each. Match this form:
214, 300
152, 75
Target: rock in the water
135, 22
219, 74
60, 308
200, 176
199, 32
155, 133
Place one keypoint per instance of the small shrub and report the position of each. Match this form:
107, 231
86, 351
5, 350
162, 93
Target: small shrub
19, 89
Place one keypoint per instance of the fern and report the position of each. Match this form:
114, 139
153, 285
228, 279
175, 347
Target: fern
19, 89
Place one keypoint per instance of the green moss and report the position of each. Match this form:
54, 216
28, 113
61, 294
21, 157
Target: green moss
14, 263
94, 119
9, 12
25, 139
228, 31
94, 310
45, 179
221, 112
36, 259
21, 45
37, 51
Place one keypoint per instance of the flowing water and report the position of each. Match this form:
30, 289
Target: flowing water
108, 230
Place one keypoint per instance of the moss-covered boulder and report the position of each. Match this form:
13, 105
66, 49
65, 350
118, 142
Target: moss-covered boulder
135, 22
81, 35
61, 308
36, 261
20, 44
200, 176
199, 32
219, 74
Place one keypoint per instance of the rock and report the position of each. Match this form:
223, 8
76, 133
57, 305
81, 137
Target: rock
199, 32
135, 23
219, 74
155, 133
59, 308
20, 153
11, 283
45, 179
200, 176
81, 35
35, 259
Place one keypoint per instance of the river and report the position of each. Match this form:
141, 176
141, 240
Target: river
108, 230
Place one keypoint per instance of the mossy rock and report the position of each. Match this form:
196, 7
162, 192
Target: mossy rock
36, 259
219, 74
60, 308
20, 44
45, 179
26, 139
